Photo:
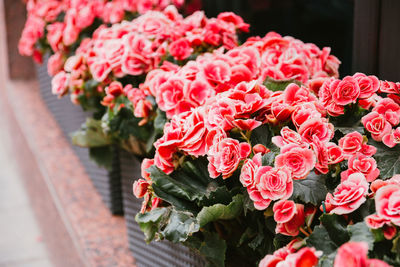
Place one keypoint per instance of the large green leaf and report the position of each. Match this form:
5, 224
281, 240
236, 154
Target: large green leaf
336, 226
189, 186
103, 156
173, 186
211, 247
90, 135
388, 159
311, 189
262, 135
360, 232
124, 124
151, 221
180, 226
220, 211
321, 241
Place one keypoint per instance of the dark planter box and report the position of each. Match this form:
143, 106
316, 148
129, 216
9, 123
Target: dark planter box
156, 253
70, 118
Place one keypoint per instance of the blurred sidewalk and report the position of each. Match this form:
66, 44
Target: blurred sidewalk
20, 242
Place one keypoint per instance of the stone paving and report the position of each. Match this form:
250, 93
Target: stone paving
20, 242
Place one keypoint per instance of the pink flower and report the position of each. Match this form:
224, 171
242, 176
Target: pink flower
316, 127
224, 157
345, 91
140, 188
392, 139
335, 153
377, 125
351, 143
300, 161
374, 221
170, 95
387, 202
180, 49
354, 254
389, 109
362, 164
146, 163
54, 35
292, 226
274, 183
294, 95
288, 136
217, 72
284, 210
249, 169
55, 64
115, 89
59, 84
307, 257
368, 84
305, 112
348, 195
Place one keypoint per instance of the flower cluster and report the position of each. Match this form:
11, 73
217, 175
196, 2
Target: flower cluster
272, 57
132, 49
284, 146
60, 23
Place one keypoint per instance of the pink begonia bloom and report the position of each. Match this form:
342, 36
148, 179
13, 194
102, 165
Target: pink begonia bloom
294, 95
393, 138
288, 136
387, 202
284, 210
146, 163
324, 131
377, 125
291, 227
335, 153
224, 157
354, 254
274, 183
369, 85
59, 84
348, 195
359, 163
55, 64
389, 109
300, 161
140, 188
351, 143
180, 49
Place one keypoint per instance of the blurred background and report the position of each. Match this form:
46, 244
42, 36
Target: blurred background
47, 219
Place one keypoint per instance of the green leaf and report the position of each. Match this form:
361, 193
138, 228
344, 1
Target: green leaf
171, 185
180, 226
268, 159
262, 135
159, 121
336, 226
150, 222
90, 135
396, 245
102, 155
211, 247
278, 85
360, 232
220, 211
310, 190
388, 159
321, 241
124, 124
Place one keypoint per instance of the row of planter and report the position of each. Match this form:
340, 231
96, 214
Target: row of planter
115, 185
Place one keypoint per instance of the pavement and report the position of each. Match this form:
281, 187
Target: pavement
21, 239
